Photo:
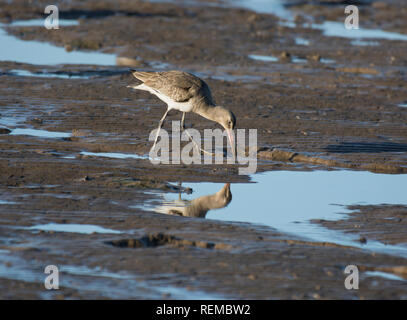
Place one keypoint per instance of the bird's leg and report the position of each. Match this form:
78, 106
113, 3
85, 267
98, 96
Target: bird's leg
183, 121
160, 126
193, 141
179, 189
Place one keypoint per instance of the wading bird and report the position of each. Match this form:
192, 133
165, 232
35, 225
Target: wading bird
186, 93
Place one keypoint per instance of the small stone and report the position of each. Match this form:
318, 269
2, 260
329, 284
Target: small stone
4, 131
252, 277
379, 5
359, 70
314, 57
36, 120
78, 133
299, 19
253, 17
129, 62
285, 55
362, 240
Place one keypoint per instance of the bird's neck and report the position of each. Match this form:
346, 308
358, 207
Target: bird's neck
209, 112
206, 203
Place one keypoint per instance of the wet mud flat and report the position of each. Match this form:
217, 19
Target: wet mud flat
369, 223
311, 114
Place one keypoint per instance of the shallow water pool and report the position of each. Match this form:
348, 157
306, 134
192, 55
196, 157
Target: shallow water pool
40, 133
72, 227
42, 53
288, 200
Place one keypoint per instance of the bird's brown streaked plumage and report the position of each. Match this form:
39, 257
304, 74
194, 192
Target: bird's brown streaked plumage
179, 86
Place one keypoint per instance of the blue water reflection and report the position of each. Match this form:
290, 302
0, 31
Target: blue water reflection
288, 200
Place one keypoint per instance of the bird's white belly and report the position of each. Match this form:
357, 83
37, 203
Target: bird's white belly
180, 106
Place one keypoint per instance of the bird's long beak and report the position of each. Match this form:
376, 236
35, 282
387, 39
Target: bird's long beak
231, 136
225, 191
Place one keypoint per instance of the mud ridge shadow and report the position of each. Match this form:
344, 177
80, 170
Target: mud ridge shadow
161, 239
91, 73
364, 147
328, 3
98, 14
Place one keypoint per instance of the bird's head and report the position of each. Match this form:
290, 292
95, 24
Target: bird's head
227, 119
222, 198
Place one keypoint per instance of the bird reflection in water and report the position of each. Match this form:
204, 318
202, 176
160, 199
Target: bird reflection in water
198, 207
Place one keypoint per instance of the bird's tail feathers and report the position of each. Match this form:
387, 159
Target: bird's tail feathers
141, 75
138, 87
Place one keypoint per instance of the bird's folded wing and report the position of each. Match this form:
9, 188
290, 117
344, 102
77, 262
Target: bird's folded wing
179, 86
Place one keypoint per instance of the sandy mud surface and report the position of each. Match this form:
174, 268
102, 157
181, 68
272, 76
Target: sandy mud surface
372, 222
318, 102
